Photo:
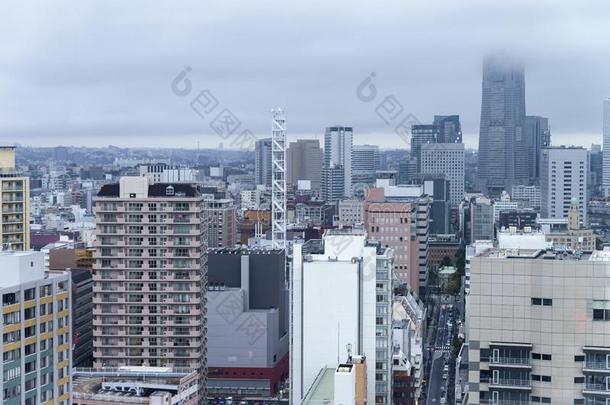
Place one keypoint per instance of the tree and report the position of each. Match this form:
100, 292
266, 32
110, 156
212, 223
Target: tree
446, 262
460, 260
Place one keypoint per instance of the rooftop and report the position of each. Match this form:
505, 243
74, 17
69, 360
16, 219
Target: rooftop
154, 190
545, 254
322, 390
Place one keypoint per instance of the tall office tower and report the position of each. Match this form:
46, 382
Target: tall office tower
15, 200
449, 128
150, 276
446, 159
222, 221
365, 160
421, 135
353, 277
392, 223
262, 162
481, 219
37, 341
537, 136
563, 179
596, 165
503, 154
606, 169
338, 143
538, 326
304, 162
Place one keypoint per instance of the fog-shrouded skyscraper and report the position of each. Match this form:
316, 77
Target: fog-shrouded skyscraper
538, 136
606, 155
262, 162
305, 162
503, 154
338, 143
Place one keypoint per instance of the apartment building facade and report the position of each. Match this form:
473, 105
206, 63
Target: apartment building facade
539, 327
36, 332
150, 276
15, 205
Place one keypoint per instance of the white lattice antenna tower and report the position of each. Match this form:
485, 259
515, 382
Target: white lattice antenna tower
278, 173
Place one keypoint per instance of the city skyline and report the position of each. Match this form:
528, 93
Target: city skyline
96, 89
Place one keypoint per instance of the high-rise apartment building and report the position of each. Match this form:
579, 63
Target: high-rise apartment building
446, 159
304, 162
338, 142
149, 276
349, 281
538, 327
262, 162
221, 217
564, 180
606, 155
36, 332
538, 136
503, 157
15, 200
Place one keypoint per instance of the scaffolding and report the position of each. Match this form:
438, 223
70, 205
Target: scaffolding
278, 173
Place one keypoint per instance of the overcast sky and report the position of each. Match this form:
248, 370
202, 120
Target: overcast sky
100, 72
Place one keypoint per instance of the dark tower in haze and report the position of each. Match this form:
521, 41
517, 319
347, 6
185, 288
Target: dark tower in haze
503, 157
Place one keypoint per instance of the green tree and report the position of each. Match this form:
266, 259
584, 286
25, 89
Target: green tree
446, 261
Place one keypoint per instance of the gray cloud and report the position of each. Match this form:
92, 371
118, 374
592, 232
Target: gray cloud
100, 71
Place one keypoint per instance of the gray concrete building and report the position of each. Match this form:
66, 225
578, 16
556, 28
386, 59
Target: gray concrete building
247, 322
539, 327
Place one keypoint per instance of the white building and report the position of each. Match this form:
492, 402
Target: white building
446, 159
564, 178
341, 295
530, 195
606, 155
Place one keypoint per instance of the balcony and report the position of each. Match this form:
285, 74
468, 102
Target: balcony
510, 362
510, 384
596, 367
596, 389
